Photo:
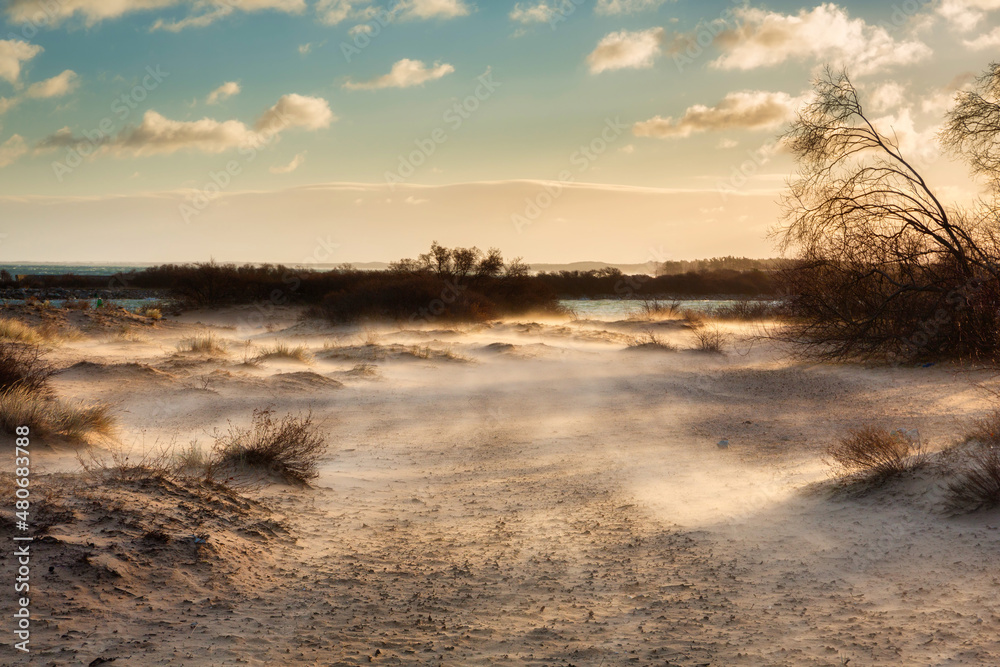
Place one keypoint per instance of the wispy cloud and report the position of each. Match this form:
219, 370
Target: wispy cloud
291, 166
614, 7
13, 54
223, 92
404, 74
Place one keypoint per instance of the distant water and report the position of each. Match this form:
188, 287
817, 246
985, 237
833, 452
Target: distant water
77, 269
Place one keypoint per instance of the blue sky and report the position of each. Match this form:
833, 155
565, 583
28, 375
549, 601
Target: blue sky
448, 116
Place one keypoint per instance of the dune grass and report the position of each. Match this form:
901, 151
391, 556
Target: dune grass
45, 416
209, 344
18, 332
283, 351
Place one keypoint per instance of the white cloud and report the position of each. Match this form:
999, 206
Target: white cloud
311, 113
291, 166
431, 9
157, 134
966, 14
305, 48
404, 74
333, 12
59, 85
540, 12
620, 50
912, 142
202, 12
823, 34
611, 7
13, 54
8, 103
888, 95
748, 110
12, 149
989, 40
223, 92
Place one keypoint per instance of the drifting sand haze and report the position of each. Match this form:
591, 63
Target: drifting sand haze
519, 493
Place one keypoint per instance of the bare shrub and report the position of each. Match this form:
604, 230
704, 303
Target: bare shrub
654, 309
875, 453
977, 485
23, 365
290, 446
650, 341
710, 339
125, 465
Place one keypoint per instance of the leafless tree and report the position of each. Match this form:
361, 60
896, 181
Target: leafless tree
886, 269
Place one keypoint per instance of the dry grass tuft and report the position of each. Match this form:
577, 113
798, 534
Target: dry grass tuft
18, 332
210, 345
283, 351
977, 485
46, 416
875, 453
650, 341
290, 446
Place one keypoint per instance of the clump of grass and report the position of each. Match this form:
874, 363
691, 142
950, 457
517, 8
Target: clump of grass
977, 485
195, 460
209, 344
290, 446
875, 453
23, 366
653, 309
709, 339
283, 351
45, 416
151, 312
18, 332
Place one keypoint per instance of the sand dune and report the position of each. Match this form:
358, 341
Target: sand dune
516, 493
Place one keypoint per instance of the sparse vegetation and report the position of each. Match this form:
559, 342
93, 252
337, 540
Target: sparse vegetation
283, 351
290, 446
709, 339
648, 340
22, 365
977, 484
47, 416
209, 344
18, 332
875, 453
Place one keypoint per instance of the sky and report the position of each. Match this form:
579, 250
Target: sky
335, 131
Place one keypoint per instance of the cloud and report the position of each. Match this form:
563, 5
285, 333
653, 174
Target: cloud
966, 14
613, 7
158, 135
311, 113
291, 166
59, 85
823, 34
13, 54
12, 149
431, 9
538, 13
747, 110
624, 49
888, 95
901, 127
201, 12
223, 92
333, 12
305, 48
404, 74
989, 40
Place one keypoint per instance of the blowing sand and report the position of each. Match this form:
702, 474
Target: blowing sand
515, 493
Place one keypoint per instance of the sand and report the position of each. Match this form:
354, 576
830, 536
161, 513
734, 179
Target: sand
524, 493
